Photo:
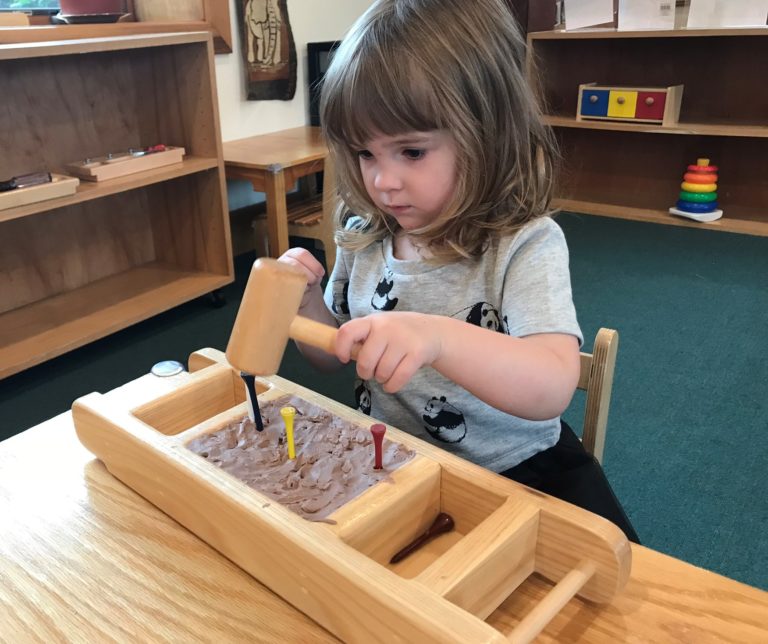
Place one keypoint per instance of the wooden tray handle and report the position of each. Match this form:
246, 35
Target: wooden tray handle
535, 621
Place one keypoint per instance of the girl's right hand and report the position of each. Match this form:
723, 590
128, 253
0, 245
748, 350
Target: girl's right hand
301, 258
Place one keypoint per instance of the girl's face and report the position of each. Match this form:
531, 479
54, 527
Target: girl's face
410, 176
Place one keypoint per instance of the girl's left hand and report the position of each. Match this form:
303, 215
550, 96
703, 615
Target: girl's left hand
393, 346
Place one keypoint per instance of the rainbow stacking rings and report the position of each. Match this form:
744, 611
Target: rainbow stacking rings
698, 189
702, 165
700, 177
690, 206
698, 195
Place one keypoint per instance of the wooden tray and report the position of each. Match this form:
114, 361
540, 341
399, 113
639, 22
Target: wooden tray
104, 168
60, 186
340, 574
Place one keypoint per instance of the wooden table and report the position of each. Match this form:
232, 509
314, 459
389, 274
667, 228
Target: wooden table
273, 163
84, 558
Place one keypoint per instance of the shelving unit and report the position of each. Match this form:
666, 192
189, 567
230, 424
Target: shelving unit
632, 171
216, 19
77, 268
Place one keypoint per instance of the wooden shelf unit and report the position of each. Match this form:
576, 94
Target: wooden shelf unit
77, 268
633, 171
95, 190
215, 19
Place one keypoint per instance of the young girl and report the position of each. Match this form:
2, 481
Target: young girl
451, 278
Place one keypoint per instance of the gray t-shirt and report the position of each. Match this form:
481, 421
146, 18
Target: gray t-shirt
520, 286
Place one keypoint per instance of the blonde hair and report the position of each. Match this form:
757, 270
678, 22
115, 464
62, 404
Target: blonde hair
452, 65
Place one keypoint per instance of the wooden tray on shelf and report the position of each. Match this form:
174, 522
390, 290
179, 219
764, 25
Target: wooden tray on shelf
111, 167
339, 573
60, 186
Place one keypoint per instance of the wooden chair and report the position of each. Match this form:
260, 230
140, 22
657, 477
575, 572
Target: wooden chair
597, 380
317, 224
310, 217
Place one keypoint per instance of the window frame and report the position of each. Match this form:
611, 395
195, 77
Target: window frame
30, 12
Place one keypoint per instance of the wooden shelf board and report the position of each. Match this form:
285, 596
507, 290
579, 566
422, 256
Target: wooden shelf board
695, 129
88, 190
752, 224
93, 34
306, 212
37, 332
584, 34
35, 42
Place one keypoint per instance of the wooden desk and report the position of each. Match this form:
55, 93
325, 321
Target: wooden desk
273, 163
82, 557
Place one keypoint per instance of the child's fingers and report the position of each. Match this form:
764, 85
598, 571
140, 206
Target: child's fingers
388, 362
369, 356
306, 261
350, 334
402, 374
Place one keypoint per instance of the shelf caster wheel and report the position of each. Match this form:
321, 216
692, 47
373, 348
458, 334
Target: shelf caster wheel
216, 298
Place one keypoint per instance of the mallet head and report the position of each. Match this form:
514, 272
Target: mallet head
269, 305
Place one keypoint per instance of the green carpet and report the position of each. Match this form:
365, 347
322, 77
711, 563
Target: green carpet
687, 439
687, 442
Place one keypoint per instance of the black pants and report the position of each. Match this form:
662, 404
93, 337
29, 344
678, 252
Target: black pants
572, 474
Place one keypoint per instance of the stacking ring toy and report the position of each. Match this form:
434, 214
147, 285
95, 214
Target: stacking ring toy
698, 187
699, 177
702, 168
698, 197
689, 206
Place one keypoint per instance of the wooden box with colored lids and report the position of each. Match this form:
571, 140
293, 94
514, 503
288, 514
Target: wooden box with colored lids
339, 572
633, 104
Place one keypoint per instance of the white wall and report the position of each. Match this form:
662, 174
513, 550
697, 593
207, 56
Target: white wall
311, 21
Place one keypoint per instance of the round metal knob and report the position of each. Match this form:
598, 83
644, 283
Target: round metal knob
621, 100
649, 100
167, 368
593, 98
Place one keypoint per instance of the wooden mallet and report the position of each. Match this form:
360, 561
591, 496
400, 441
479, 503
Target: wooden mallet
267, 318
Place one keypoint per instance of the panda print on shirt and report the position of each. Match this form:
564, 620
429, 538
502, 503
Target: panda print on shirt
443, 421
485, 315
363, 397
381, 300
340, 304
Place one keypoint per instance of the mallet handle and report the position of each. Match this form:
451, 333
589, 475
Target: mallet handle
315, 334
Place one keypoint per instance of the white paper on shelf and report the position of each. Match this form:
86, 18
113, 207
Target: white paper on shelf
587, 13
713, 14
646, 14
